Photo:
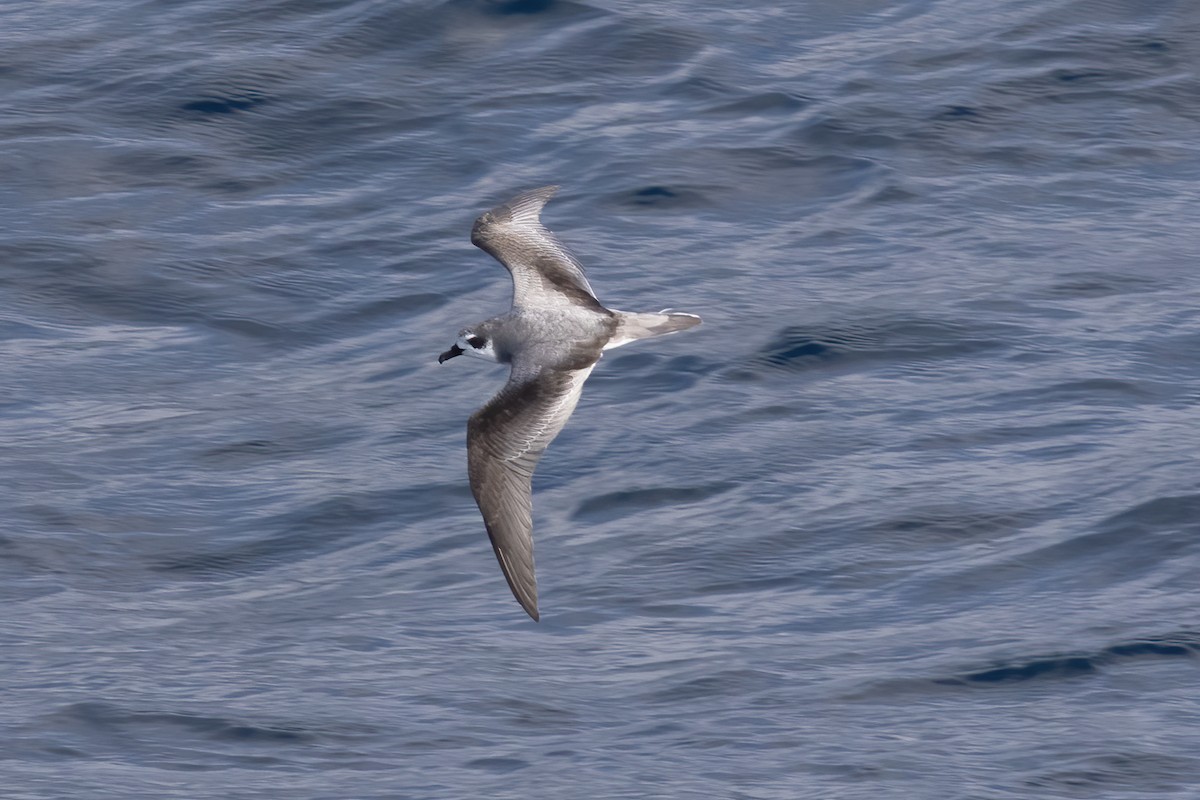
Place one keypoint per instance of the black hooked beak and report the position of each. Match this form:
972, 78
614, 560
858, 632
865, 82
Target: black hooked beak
449, 354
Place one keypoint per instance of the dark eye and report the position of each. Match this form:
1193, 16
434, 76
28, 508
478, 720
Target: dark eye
475, 341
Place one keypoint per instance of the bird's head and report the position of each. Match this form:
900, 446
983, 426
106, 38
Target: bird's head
473, 343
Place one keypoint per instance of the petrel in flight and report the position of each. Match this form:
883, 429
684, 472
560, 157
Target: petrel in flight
551, 338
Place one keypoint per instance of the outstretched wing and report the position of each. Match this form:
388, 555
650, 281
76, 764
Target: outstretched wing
505, 439
543, 270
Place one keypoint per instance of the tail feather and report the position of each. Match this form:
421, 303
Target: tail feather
632, 326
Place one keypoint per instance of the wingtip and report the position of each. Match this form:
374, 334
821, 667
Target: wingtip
527, 206
530, 606
524, 592
524, 209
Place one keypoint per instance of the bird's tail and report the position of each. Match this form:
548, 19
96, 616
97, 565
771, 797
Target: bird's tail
633, 325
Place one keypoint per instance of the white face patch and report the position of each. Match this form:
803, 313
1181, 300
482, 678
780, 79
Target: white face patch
478, 346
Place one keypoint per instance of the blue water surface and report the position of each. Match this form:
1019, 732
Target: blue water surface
914, 514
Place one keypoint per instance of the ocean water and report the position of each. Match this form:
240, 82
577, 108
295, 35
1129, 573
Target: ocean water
914, 514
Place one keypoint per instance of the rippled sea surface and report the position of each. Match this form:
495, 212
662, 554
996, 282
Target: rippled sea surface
914, 514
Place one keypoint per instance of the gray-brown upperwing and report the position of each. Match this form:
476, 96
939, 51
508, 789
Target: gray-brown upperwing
544, 272
505, 439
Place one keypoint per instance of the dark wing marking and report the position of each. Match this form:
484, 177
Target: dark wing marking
505, 439
543, 270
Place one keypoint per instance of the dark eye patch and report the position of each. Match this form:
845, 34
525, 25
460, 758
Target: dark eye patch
475, 341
